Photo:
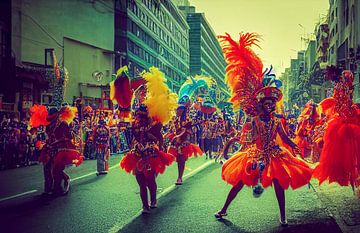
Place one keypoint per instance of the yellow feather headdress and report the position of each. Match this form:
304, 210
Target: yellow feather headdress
160, 101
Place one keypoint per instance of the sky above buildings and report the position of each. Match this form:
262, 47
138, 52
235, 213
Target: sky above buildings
281, 24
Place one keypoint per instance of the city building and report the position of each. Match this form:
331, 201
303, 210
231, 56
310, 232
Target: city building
285, 78
7, 62
206, 55
70, 30
344, 38
310, 56
152, 33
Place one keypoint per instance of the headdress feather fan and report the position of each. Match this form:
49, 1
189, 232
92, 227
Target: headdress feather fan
244, 71
161, 102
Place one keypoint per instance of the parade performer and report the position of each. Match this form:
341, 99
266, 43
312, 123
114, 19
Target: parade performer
102, 149
59, 149
265, 161
339, 160
153, 106
180, 146
307, 121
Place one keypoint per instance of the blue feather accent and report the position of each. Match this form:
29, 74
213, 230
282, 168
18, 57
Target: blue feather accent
188, 88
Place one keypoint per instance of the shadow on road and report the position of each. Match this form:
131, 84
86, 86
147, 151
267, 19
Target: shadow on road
231, 225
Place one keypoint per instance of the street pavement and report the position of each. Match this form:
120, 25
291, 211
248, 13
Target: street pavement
342, 203
190, 208
111, 203
94, 204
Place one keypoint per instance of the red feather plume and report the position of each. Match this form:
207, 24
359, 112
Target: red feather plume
244, 71
38, 116
122, 91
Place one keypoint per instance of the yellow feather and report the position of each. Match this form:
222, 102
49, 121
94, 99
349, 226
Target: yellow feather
120, 70
161, 102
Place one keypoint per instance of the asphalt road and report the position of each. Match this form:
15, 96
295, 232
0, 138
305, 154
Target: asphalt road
94, 204
190, 208
111, 203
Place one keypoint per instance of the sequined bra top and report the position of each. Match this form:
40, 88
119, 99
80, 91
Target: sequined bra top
265, 138
343, 101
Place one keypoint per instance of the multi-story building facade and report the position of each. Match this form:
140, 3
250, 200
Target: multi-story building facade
83, 44
310, 56
206, 55
285, 78
152, 33
314, 78
322, 44
344, 38
7, 62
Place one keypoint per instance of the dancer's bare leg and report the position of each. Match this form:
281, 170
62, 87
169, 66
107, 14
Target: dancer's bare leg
280, 195
140, 178
181, 167
231, 196
151, 184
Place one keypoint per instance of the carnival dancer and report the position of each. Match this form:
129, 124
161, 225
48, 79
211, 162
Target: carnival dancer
102, 149
180, 146
153, 106
307, 122
266, 161
339, 160
59, 149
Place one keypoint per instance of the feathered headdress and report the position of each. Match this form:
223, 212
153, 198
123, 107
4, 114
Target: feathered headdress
67, 114
161, 102
244, 70
192, 84
244, 74
120, 88
38, 116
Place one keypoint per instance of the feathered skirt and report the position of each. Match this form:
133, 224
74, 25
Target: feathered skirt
61, 157
287, 169
340, 157
133, 163
186, 151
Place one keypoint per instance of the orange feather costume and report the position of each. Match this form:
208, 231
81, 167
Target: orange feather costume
265, 157
340, 157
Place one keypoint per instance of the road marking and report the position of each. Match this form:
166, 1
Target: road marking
92, 173
34, 191
18, 195
118, 226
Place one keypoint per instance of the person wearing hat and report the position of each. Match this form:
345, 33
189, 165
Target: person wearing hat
102, 149
266, 161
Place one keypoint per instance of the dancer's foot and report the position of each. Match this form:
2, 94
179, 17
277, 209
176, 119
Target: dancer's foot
66, 186
145, 210
283, 222
179, 181
153, 205
220, 214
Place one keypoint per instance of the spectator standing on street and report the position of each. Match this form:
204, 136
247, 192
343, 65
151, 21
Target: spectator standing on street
102, 149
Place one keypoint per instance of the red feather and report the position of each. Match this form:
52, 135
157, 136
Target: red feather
244, 71
38, 116
122, 91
